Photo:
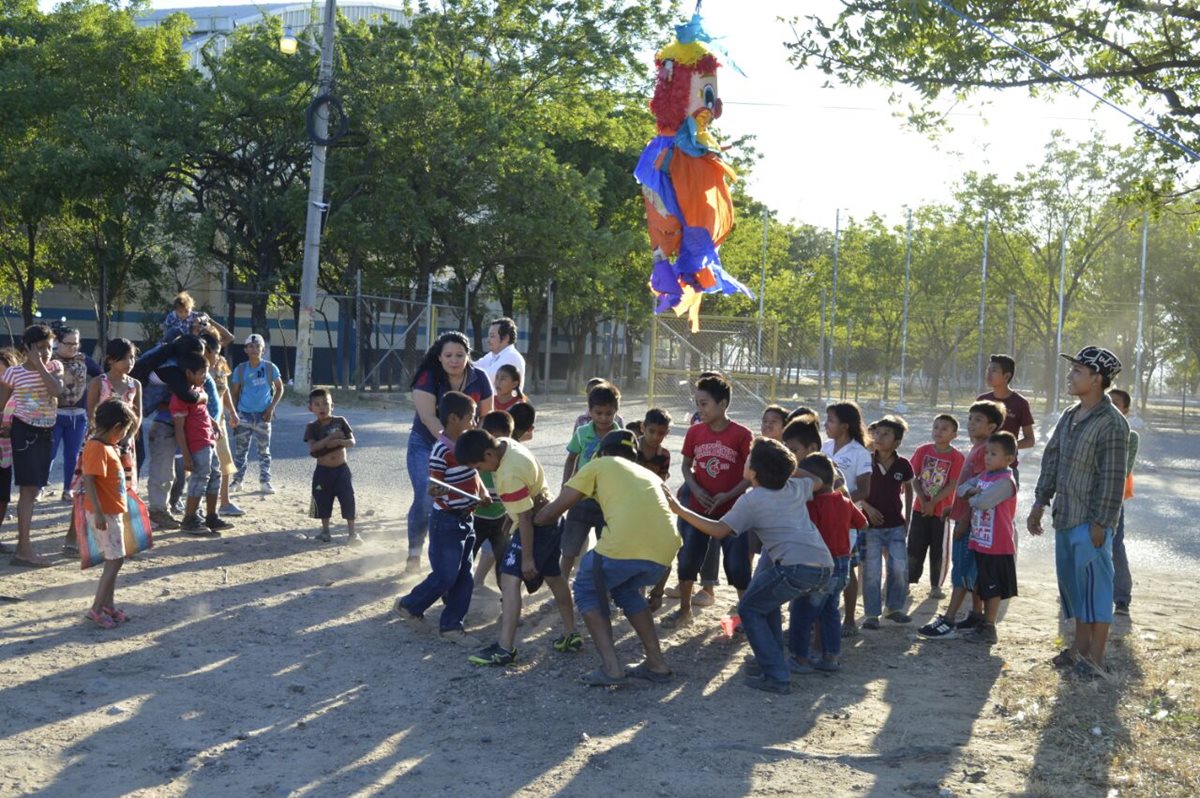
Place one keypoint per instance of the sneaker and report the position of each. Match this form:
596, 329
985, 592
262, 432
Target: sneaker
235, 486
972, 620
676, 620
870, 623
163, 519
898, 616
827, 665
984, 633
231, 509
66, 496
768, 685
177, 508
569, 643
216, 523
671, 592
324, 537
1121, 608
412, 565
752, 666
937, 593
355, 540
404, 612
267, 488
938, 629
192, 525
494, 654
703, 599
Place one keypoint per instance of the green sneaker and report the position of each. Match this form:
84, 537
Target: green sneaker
569, 643
494, 654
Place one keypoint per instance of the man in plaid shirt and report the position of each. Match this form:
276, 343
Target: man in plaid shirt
1083, 471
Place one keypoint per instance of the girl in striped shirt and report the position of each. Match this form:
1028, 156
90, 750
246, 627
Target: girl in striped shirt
30, 392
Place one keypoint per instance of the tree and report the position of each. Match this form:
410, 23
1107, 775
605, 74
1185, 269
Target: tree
1139, 52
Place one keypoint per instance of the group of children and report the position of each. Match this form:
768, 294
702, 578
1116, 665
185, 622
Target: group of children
828, 518
186, 391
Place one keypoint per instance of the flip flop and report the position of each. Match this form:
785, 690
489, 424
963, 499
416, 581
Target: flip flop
641, 671
598, 678
21, 562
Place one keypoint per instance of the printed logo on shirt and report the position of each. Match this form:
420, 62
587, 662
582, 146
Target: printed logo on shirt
983, 527
934, 473
714, 467
715, 449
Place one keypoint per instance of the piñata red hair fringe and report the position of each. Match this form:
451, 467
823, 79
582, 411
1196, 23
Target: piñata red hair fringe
670, 102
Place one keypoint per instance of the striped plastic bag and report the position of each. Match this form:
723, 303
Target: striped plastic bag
135, 523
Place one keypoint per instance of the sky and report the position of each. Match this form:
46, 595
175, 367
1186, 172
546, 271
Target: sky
824, 149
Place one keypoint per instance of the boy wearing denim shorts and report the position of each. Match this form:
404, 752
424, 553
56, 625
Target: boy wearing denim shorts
983, 421
328, 437
196, 434
795, 561
636, 552
532, 556
1083, 472
603, 402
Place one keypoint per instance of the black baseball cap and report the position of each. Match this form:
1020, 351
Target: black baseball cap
1098, 359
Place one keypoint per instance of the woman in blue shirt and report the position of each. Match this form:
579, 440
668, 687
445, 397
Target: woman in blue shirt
446, 367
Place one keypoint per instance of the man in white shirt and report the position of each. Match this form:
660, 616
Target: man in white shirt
502, 349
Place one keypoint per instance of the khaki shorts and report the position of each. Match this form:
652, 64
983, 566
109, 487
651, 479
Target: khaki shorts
111, 540
224, 455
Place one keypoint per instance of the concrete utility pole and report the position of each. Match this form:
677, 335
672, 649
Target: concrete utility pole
316, 211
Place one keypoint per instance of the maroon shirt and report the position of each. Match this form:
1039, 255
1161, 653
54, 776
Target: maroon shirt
1017, 414
887, 490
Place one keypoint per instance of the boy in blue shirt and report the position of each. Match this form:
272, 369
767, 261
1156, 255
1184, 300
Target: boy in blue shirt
256, 388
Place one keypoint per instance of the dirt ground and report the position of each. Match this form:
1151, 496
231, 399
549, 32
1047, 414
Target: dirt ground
264, 663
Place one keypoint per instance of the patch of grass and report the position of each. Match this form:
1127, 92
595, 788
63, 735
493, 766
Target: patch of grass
1137, 734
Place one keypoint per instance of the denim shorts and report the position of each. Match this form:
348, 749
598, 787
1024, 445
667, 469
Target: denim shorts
624, 580
546, 551
1085, 574
963, 572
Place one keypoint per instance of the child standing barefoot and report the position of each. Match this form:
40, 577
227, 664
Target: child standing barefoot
104, 502
32, 389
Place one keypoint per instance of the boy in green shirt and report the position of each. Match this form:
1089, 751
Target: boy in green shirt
603, 402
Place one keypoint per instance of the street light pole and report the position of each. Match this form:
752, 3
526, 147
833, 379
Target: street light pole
316, 210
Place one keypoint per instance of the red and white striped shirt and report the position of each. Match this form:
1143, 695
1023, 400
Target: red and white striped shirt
31, 400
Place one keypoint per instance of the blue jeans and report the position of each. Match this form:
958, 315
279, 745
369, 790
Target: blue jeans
419, 450
877, 540
252, 426
823, 610
762, 618
1122, 579
69, 429
451, 557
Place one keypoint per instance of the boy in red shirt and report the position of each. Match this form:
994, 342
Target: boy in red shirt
834, 516
937, 466
196, 435
993, 499
715, 452
983, 421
